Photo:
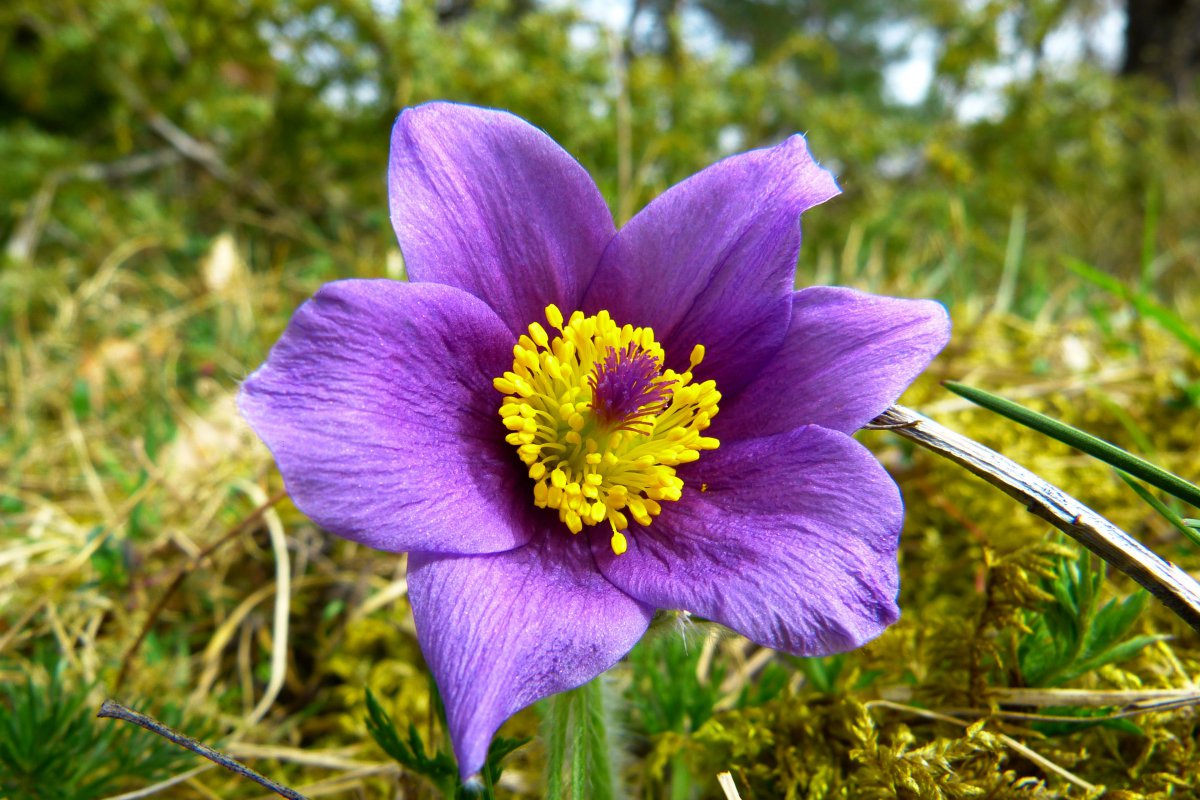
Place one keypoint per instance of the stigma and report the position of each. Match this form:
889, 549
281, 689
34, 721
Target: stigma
600, 422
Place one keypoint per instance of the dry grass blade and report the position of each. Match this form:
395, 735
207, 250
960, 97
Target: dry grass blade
725, 779
181, 574
1130, 702
161, 786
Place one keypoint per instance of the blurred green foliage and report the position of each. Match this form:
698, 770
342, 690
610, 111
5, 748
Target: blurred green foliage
179, 176
179, 120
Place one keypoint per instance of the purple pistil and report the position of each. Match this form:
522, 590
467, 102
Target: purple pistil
627, 387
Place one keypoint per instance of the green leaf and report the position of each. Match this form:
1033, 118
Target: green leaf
821, 672
1114, 654
1093, 446
1069, 636
500, 748
441, 769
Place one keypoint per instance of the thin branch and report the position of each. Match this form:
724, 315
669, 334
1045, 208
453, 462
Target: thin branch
24, 241
112, 710
1178, 590
245, 524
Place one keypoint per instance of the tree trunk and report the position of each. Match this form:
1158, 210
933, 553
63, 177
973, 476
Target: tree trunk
1162, 40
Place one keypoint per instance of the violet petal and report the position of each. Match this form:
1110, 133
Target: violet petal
792, 543
502, 631
712, 260
378, 406
847, 356
484, 201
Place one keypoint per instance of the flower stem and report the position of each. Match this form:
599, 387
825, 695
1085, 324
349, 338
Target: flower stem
577, 737
681, 779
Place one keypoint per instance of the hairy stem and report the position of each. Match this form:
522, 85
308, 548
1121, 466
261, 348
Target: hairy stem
578, 742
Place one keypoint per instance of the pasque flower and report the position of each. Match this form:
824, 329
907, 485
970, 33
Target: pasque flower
567, 426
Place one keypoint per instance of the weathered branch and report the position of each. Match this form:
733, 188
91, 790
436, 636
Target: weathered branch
112, 710
1170, 584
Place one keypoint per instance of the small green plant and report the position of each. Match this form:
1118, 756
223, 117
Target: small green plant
667, 693
52, 747
1072, 634
440, 767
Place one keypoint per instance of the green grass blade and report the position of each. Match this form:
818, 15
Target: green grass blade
1145, 306
1162, 508
1106, 452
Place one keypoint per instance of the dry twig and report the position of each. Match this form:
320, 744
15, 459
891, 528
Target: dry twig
112, 710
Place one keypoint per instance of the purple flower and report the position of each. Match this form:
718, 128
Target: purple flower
534, 416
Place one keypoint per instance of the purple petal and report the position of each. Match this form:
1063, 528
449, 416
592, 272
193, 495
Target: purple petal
378, 406
484, 201
502, 631
846, 358
712, 261
793, 544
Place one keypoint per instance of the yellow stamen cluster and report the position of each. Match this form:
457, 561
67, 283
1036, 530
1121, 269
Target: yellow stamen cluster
589, 468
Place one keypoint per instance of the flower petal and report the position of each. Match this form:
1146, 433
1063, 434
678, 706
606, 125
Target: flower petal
790, 540
378, 406
712, 260
484, 201
847, 356
502, 631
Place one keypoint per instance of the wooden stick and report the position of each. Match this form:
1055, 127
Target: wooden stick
112, 710
1178, 590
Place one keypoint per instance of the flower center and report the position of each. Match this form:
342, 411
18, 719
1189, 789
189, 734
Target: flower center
600, 423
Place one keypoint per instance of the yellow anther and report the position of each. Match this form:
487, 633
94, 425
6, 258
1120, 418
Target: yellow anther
538, 334
600, 424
